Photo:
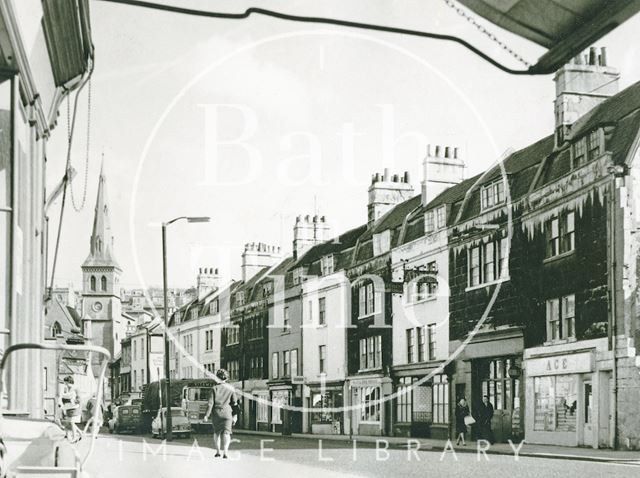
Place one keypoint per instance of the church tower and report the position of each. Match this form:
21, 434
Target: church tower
101, 307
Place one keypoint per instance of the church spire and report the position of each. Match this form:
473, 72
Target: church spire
101, 247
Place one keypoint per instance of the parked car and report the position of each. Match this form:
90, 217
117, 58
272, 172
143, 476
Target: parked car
126, 418
179, 423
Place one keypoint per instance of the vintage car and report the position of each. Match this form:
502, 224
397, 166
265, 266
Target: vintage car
126, 418
179, 423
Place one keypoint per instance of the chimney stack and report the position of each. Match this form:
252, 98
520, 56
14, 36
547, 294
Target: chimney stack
581, 85
208, 281
442, 168
309, 231
385, 192
257, 256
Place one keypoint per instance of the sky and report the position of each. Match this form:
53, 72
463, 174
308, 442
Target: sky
255, 122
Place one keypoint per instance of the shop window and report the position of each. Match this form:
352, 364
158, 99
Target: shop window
492, 195
404, 400
370, 404
502, 390
279, 399
262, 408
320, 402
560, 232
561, 318
440, 399
555, 401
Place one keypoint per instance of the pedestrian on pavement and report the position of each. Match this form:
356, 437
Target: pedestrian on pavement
486, 414
223, 412
70, 406
462, 412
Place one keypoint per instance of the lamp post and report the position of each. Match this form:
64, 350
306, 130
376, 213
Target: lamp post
167, 379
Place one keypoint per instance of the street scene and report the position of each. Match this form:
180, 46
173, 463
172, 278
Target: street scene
361, 238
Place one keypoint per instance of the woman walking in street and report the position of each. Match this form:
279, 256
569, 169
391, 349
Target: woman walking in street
223, 412
70, 406
462, 411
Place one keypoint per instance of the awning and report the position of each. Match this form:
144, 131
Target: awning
565, 27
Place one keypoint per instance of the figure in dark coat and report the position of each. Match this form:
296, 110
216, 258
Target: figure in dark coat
223, 411
462, 411
484, 420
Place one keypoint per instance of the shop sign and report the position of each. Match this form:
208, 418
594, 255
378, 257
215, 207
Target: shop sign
367, 382
561, 364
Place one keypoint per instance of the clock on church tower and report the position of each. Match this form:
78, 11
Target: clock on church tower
101, 306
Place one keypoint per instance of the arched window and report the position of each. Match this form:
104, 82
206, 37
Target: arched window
103, 284
93, 283
56, 329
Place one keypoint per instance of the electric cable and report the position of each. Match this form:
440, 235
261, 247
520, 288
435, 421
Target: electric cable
327, 21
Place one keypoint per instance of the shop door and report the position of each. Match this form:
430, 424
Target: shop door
586, 414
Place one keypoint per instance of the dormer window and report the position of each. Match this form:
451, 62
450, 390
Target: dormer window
240, 298
435, 219
297, 275
327, 265
594, 145
579, 152
381, 242
194, 314
492, 195
267, 289
213, 307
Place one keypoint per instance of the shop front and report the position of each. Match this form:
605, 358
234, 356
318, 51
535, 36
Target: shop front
421, 407
568, 396
320, 400
371, 405
491, 365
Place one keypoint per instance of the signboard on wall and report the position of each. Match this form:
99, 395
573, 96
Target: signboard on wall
560, 364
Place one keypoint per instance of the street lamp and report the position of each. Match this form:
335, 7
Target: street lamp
167, 380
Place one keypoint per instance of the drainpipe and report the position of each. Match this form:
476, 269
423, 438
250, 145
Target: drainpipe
613, 305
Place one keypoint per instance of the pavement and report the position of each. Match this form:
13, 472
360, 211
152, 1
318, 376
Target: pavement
273, 455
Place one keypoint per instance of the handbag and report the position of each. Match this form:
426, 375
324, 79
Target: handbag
469, 420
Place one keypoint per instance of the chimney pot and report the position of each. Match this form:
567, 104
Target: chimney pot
437, 152
406, 176
455, 153
386, 174
394, 178
603, 56
592, 55
446, 151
